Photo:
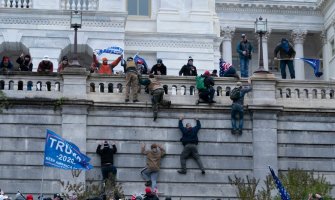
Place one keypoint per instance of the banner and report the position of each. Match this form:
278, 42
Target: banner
315, 64
283, 193
109, 50
63, 154
140, 60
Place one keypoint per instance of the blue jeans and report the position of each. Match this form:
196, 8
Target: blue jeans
147, 175
244, 65
237, 109
290, 66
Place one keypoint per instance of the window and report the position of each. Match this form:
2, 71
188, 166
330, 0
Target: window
138, 7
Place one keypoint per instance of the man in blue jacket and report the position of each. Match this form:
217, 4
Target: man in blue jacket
190, 142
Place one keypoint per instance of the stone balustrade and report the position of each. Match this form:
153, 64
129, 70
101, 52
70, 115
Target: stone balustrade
79, 4
102, 87
16, 4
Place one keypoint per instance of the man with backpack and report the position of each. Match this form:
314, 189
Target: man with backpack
205, 85
237, 96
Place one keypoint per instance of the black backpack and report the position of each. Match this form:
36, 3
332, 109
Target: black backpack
235, 94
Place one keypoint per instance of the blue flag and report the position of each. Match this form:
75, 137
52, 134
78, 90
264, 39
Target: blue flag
63, 154
140, 60
315, 64
110, 50
283, 193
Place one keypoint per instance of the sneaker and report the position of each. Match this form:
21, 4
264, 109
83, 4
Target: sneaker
203, 172
126, 100
136, 101
180, 171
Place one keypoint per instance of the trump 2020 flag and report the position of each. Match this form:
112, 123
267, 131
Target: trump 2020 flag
140, 60
63, 154
283, 193
315, 64
109, 50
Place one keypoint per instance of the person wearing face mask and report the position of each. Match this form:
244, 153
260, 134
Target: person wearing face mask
63, 64
287, 54
106, 153
25, 62
190, 142
153, 157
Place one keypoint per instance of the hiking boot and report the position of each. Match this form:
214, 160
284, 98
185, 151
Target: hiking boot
203, 172
136, 101
180, 171
239, 131
233, 131
126, 100
148, 183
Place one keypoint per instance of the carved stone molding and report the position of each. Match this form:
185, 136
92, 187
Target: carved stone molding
169, 44
227, 32
60, 21
323, 37
298, 36
282, 9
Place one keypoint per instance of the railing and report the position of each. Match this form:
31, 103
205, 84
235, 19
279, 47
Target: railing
16, 3
79, 4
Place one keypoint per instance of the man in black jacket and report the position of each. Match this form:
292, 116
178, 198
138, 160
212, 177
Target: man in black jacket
106, 153
207, 94
189, 69
159, 68
190, 142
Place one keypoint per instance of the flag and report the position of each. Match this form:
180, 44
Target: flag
63, 154
283, 193
140, 60
109, 50
315, 64
223, 66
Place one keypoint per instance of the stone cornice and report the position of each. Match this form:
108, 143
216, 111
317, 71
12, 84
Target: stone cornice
266, 7
57, 18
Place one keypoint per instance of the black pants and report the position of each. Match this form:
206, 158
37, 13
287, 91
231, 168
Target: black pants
190, 150
106, 170
157, 99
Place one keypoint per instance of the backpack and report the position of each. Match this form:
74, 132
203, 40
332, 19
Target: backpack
235, 94
200, 82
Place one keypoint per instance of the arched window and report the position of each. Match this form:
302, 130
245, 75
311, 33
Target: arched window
174, 90
192, 90
331, 94
29, 86
2, 85
39, 86
48, 86
57, 86
11, 85
280, 93
183, 90
110, 87
119, 87
166, 89
306, 93
101, 87
20, 85
323, 94
219, 91
297, 93
228, 91
288, 93
92, 87
315, 94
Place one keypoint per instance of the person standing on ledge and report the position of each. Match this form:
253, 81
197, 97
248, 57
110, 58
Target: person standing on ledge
287, 54
189, 69
190, 142
244, 49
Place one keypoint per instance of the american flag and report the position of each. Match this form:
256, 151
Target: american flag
283, 193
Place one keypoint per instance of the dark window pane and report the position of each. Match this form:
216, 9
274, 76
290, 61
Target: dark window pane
144, 7
132, 7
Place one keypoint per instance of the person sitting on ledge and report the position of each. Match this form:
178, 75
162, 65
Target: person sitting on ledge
207, 93
25, 62
227, 70
6, 65
45, 66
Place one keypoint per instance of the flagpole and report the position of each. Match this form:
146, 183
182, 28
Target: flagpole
41, 193
295, 58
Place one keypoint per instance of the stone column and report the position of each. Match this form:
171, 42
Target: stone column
227, 34
217, 52
325, 55
74, 114
298, 37
265, 50
264, 126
